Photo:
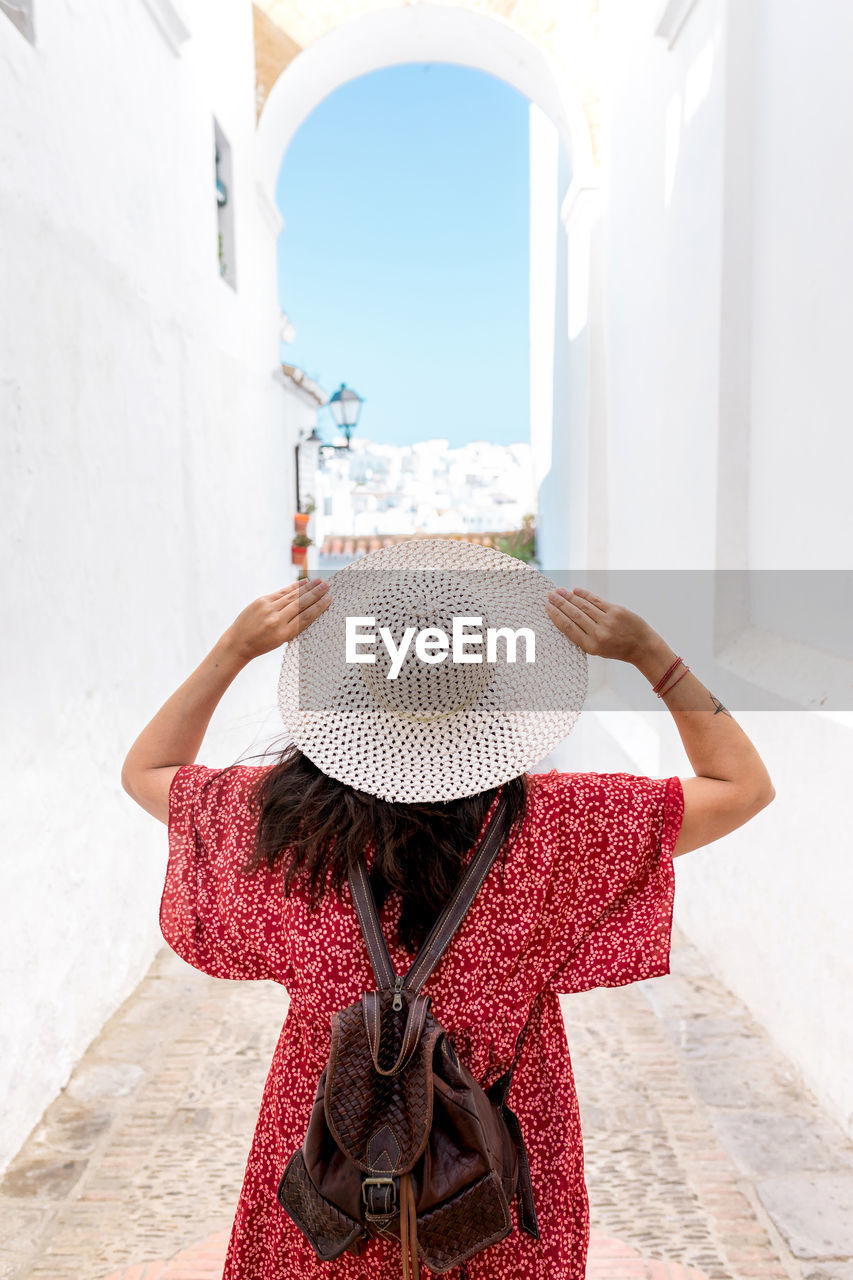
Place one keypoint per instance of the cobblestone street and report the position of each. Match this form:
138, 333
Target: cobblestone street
705, 1160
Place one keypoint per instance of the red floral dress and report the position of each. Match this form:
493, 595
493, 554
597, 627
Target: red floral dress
585, 900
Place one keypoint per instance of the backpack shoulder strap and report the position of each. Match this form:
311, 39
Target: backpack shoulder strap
441, 934
368, 919
455, 910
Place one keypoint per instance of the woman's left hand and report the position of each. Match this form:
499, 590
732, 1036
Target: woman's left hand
270, 621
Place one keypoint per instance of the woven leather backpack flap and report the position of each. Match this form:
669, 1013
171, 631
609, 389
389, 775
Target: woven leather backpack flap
381, 1121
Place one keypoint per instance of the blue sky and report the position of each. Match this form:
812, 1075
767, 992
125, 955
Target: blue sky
403, 263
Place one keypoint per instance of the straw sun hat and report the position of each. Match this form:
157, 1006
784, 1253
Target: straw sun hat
429, 718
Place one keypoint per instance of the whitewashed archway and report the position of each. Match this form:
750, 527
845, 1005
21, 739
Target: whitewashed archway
422, 33
565, 329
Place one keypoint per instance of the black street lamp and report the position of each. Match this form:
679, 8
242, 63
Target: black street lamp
345, 406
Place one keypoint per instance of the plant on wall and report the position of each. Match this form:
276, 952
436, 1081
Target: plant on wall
521, 543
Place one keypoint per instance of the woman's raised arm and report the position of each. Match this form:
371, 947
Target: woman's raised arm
732, 784
175, 734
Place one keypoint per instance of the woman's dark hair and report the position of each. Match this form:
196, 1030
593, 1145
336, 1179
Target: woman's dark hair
317, 827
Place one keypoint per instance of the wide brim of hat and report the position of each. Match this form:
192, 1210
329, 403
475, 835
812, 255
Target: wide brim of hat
518, 716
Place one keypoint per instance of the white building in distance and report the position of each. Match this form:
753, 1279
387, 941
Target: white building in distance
423, 488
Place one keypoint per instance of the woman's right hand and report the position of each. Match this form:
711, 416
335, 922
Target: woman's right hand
275, 619
597, 626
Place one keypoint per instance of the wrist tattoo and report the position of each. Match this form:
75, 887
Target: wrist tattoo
718, 707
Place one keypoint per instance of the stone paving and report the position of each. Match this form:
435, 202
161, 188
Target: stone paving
705, 1158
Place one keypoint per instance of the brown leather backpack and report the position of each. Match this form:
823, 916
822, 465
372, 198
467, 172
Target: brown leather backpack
402, 1142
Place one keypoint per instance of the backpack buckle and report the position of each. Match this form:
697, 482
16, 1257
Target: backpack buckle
366, 1198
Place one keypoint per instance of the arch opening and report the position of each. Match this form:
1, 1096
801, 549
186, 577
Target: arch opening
423, 33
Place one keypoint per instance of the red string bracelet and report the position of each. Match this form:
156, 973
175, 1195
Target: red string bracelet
665, 676
675, 682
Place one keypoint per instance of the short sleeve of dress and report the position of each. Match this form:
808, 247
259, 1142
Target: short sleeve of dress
610, 901
213, 915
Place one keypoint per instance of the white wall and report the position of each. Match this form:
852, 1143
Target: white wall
145, 480
551, 435
300, 419
544, 166
770, 905
727, 274
662, 133
801, 445
782, 939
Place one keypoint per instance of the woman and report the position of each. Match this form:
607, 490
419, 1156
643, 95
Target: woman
400, 748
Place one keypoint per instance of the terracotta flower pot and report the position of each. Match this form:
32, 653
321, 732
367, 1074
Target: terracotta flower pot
298, 555
300, 521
